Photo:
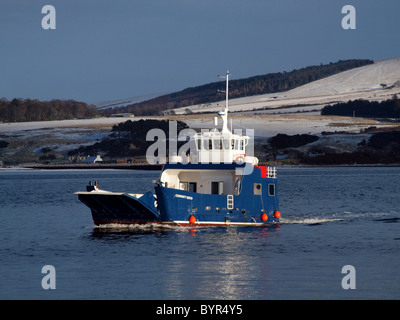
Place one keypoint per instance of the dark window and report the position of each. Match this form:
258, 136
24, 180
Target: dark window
192, 186
271, 189
214, 187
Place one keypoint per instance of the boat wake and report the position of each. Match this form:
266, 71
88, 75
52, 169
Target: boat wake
309, 221
345, 216
148, 227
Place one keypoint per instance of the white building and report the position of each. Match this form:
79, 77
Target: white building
93, 159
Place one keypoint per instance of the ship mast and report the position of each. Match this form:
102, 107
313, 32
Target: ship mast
224, 113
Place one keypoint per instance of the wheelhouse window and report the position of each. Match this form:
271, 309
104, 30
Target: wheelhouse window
198, 144
236, 144
226, 144
206, 144
217, 144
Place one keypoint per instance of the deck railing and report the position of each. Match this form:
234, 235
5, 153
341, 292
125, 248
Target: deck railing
271, 172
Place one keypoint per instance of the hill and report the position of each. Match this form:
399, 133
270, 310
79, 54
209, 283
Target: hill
374, 82
261, 84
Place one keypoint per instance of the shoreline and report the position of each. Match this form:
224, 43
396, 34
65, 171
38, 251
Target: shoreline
149, 167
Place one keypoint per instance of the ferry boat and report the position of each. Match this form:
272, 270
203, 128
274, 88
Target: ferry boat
219, 185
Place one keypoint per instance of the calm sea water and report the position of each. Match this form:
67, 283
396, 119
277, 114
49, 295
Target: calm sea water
331, 217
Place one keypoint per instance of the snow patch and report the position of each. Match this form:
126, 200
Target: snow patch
377, 81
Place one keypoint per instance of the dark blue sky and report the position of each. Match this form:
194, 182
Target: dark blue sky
106, 50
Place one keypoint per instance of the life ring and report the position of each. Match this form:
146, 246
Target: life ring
239, 159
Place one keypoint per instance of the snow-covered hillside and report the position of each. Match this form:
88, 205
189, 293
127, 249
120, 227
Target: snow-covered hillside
378, 81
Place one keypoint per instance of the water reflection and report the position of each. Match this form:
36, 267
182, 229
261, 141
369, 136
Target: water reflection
220, 265
212, 262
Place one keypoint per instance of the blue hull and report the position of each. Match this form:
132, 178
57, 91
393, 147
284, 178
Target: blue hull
255, 204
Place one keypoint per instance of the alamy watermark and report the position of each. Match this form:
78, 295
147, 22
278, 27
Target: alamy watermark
49, 280
349, 280
349, 20
49, 20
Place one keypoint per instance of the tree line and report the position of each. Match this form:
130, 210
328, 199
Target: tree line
366, 109
261, 84
22, 110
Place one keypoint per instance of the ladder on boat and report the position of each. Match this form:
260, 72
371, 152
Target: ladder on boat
229, 202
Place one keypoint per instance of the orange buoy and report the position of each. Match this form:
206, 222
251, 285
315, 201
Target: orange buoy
192, 220
277, 214
264, 217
